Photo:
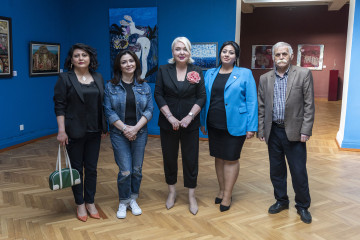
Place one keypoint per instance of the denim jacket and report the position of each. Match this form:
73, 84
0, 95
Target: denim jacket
115, 103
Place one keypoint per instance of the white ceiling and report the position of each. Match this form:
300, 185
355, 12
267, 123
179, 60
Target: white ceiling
247, 6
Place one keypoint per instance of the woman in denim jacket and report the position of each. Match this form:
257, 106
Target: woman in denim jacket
128, 107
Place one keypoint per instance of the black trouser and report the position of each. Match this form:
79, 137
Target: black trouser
279, 147
84, 154
189, 141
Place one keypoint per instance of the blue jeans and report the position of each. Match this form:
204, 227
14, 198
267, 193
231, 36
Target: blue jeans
129, 156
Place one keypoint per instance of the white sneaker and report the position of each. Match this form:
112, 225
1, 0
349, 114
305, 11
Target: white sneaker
134, 207
121, 213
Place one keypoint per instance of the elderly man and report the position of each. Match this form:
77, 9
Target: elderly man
286, 117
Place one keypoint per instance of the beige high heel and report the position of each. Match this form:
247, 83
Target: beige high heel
193, 207
170, 202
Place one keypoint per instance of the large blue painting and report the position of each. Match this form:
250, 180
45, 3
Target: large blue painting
204, 54
136, 29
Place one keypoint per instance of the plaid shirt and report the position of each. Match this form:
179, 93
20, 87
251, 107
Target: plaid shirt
279, 97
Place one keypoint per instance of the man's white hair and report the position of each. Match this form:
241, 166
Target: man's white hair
281, 44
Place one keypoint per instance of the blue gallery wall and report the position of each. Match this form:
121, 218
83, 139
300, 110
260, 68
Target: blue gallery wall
23, 99
352, 126
200, 21
28, 100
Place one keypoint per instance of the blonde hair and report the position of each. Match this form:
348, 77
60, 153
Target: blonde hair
187, 44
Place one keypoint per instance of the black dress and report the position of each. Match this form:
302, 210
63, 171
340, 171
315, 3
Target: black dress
221, 143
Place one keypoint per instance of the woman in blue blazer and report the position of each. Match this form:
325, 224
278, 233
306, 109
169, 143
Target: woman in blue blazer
229, 117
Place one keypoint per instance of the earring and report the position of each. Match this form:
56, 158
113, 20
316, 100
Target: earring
71, 66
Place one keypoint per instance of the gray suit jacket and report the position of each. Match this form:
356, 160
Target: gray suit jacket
299, 105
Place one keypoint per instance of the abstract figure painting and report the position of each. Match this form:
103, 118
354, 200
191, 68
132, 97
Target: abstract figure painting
204, 54
136, 29
44, 59
310, 56
261, 57
6, 67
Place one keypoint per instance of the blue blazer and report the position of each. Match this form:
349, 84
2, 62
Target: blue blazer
240, 100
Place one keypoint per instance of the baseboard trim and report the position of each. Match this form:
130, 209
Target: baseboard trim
154, 136
27, 142
346, 149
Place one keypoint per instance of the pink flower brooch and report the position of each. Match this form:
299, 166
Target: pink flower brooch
193, 77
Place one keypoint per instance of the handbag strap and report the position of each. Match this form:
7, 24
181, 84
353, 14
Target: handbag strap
68, 164
58, 166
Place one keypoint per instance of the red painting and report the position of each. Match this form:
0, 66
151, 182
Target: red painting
262, 57
310, 56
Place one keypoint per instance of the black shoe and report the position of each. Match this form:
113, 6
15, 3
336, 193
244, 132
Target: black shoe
304, 215
277, 207
218, 200
224, 208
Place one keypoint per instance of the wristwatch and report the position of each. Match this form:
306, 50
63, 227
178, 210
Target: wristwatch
191, 115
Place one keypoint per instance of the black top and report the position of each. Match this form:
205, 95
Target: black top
91, 100
217, 114
130, 109
180, 97
69, 102
181, 85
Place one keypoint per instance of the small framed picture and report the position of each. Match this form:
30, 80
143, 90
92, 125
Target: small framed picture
310, 56
6, 63
205, 54
44, 59
262, 57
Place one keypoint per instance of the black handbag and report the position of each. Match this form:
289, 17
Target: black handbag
66, 177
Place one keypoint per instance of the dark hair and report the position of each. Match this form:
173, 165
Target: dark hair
237, 51
117, 67
91, 51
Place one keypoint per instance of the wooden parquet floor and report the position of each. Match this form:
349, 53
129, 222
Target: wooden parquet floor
29, 210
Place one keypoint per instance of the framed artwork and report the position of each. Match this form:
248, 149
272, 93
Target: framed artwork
205, 54
6, 66
44, 59
262, 57
135, 29
310, 56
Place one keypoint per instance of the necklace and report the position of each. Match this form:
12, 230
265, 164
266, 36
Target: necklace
83, 78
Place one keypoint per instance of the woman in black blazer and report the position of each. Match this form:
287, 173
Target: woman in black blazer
180, 95
78, 97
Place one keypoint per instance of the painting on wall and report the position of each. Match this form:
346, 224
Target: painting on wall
310, 56
6, 67
205, 54
261, 57
135, 29
44, 59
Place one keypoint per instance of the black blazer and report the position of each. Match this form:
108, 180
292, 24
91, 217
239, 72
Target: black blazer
179, 100
69, 102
